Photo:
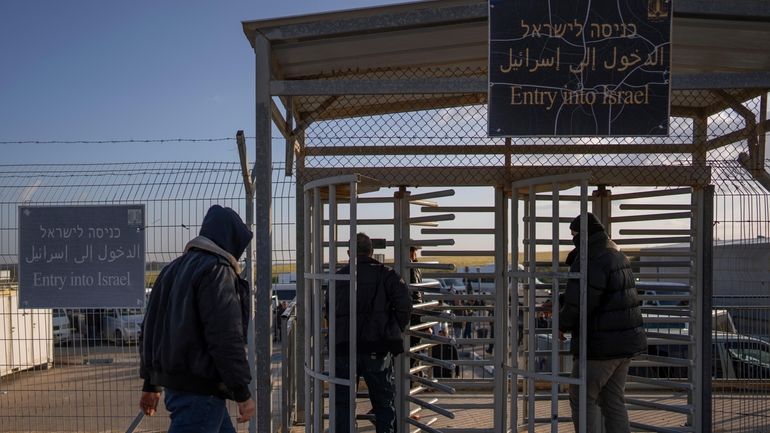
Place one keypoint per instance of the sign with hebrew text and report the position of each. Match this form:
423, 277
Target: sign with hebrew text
579, 67
81, 256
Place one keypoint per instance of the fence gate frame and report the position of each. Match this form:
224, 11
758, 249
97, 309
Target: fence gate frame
526, 190
318, 374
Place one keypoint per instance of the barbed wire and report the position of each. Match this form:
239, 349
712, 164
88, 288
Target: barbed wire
120, 141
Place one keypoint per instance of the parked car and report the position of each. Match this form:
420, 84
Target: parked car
733, 356
452, 285
122, 325
62, 327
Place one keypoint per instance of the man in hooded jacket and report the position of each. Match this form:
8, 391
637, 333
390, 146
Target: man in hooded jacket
194, 331
383, 307
615, 329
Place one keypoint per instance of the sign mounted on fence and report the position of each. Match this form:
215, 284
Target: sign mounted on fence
579, 68
81, 256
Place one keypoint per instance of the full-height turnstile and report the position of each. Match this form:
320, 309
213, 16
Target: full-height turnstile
664, 232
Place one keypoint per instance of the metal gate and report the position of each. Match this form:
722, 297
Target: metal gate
666, 235
540, 359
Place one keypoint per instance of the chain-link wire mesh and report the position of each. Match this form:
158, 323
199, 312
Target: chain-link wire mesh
61, 370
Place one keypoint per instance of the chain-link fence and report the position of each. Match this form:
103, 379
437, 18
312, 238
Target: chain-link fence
65, 369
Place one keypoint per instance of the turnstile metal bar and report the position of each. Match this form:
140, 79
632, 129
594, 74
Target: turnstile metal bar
660, 240
667, 275
423, 426
433, 194
651, 217
652, 193
651, 428
457, 253
432, 406
662, 286
430, 242
469, 275
460, 296
685, 409
433, 361
388, 199
645, 360
660, 253
563, 220
661, 264
653, 232
437, 266
655, 206
666, 311
559, 242
663, 383
364, 222
458, 231
459, 209
676, 338
467, 430
562, 419
471, 406
432, 383
431, 219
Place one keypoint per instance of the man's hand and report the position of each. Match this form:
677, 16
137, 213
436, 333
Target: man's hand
246, 410
149, 402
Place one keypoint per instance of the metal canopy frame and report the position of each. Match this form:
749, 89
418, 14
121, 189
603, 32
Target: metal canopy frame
315, 67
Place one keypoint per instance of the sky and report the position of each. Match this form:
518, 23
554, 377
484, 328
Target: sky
105, 70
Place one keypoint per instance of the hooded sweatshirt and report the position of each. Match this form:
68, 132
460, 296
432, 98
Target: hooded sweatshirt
193, 335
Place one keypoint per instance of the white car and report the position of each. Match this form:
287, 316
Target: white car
62, 328
122, 325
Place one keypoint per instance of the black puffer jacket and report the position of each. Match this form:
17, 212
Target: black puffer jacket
383, 305
614, 318
193, 335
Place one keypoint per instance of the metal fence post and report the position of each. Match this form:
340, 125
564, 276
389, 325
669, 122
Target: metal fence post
263, 234
248, 189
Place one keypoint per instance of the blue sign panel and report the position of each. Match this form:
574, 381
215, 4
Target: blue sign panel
81, 256
579, 67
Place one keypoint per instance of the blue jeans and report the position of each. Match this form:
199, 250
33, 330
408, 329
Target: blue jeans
197, 413
377, 370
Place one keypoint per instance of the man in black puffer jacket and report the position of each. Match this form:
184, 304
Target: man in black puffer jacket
384, 307
615, 331
194, 331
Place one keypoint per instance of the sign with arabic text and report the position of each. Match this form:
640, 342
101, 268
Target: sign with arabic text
579, 68
81, 256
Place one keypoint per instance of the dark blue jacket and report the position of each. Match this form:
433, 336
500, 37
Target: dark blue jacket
193, 335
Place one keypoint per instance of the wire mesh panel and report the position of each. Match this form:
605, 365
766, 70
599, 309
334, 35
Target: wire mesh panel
77, 370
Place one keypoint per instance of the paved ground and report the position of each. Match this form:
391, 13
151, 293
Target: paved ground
96, 389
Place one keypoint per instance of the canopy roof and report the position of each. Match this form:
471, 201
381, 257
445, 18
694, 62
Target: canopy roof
715, 45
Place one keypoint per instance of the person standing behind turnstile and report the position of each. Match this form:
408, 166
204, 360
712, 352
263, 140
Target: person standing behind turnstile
615, 329
383, 307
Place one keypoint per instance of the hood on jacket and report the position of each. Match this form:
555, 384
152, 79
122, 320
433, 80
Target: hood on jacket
226, 228
594, 226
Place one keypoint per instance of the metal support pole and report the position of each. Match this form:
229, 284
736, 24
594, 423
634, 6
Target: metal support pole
501, 309
301, 307
401, 232
703, 201
248, 188
263, 233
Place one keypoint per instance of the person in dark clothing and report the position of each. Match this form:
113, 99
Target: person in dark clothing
383, 309
194, 332
615, 329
